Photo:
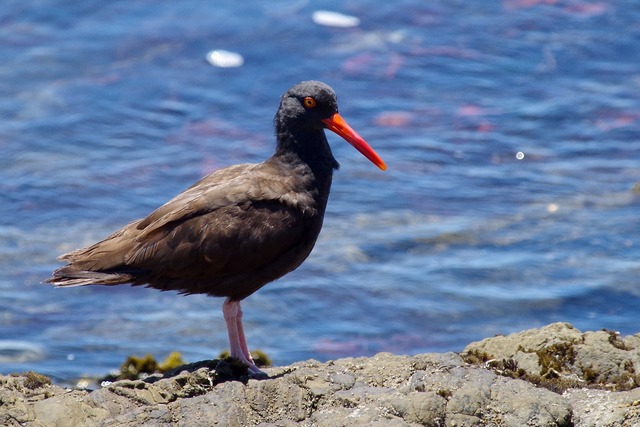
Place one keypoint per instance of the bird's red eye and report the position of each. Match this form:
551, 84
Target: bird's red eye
309, 102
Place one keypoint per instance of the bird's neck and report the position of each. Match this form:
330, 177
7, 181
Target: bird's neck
311, 148
309, 163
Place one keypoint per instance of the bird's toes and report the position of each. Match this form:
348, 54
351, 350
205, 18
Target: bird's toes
256, 373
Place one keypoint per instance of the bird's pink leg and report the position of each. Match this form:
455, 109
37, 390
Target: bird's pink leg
232, 313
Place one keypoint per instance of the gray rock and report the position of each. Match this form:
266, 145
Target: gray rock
384, 390
575, 359
603, 408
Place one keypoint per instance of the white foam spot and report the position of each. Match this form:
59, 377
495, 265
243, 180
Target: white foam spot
334, 19
224, 59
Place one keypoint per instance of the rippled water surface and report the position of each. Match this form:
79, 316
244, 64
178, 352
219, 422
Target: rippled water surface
511, 130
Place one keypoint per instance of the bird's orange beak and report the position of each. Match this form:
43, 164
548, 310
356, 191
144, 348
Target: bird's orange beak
337, 124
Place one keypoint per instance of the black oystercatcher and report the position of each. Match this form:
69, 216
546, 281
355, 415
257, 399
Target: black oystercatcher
236, 229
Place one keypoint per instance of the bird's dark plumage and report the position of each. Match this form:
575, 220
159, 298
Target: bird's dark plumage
236, 229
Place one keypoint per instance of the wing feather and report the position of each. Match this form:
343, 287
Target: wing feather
233, 221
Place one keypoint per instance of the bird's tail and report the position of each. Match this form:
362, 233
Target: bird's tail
73, 276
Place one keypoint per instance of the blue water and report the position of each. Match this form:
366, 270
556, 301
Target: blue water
511, 130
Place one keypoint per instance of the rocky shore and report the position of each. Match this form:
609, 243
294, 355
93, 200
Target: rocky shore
552, 376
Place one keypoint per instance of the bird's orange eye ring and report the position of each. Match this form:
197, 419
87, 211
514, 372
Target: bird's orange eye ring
309, 102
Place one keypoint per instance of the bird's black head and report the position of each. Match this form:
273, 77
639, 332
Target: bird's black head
305, 105
305, 111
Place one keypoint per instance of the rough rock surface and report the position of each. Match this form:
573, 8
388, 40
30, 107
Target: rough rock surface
559, 351
384, 390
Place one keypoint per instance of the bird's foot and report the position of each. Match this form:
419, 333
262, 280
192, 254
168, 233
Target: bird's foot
257, 373
252, 368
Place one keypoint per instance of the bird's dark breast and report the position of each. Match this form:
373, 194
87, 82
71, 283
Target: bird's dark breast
232, 251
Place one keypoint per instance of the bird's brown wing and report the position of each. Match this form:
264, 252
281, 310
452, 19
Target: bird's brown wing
222, 242
111, 252
228, 223
221, 188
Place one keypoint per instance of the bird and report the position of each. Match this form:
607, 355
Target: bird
238, 228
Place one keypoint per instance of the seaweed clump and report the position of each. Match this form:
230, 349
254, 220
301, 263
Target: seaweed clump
135, 367
228, 368
34, 380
